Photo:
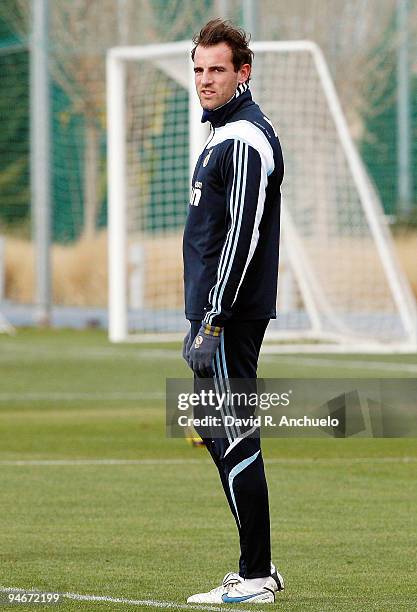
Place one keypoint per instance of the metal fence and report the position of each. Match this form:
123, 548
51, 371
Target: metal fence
370, 46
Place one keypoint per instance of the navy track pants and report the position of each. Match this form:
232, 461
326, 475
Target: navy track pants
239, 459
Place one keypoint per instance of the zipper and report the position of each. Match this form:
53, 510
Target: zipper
213, 129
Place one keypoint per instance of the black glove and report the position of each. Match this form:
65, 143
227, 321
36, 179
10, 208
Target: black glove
188, 340
203, 350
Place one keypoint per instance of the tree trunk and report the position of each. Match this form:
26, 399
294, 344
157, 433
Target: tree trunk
91, 179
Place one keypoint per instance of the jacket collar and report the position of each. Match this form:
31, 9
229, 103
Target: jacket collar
220, 115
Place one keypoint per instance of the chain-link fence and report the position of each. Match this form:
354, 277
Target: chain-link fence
361, 39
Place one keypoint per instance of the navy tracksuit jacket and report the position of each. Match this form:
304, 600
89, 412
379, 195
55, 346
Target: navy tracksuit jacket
231, 237
230, 248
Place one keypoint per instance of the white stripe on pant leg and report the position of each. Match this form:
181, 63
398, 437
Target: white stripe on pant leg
240, 438
223, 368
223, 360
235, 472
217, 379
222, 377
230, 429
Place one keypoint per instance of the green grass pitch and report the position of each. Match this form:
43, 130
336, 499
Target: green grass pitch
343, 512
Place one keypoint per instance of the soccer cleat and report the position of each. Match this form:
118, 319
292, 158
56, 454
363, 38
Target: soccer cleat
245, 592
278, 578
235, 589
215, 595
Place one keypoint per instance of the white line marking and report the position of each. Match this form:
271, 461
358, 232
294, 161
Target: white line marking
132, 602
343, 460
69, 396
350, 364
144, 462
26, 352
66, 462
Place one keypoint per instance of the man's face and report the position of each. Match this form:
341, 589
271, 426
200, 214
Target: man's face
215, 76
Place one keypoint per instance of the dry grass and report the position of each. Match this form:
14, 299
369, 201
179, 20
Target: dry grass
80, 270
406, 245
19, 270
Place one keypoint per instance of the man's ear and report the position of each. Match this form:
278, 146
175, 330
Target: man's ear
244, 73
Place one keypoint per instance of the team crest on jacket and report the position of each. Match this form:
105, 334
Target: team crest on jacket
207, 157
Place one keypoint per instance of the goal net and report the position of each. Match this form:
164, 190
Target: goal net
339, 281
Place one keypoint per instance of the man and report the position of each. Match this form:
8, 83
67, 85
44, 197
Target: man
231, 242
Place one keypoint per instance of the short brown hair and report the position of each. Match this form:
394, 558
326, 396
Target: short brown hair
219, 30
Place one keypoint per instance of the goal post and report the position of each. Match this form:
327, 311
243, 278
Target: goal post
173, 60
339, 282
5, 326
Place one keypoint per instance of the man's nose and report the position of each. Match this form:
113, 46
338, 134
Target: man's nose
207, 78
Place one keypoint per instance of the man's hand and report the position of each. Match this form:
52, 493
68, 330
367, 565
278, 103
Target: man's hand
203, 350
188, 340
